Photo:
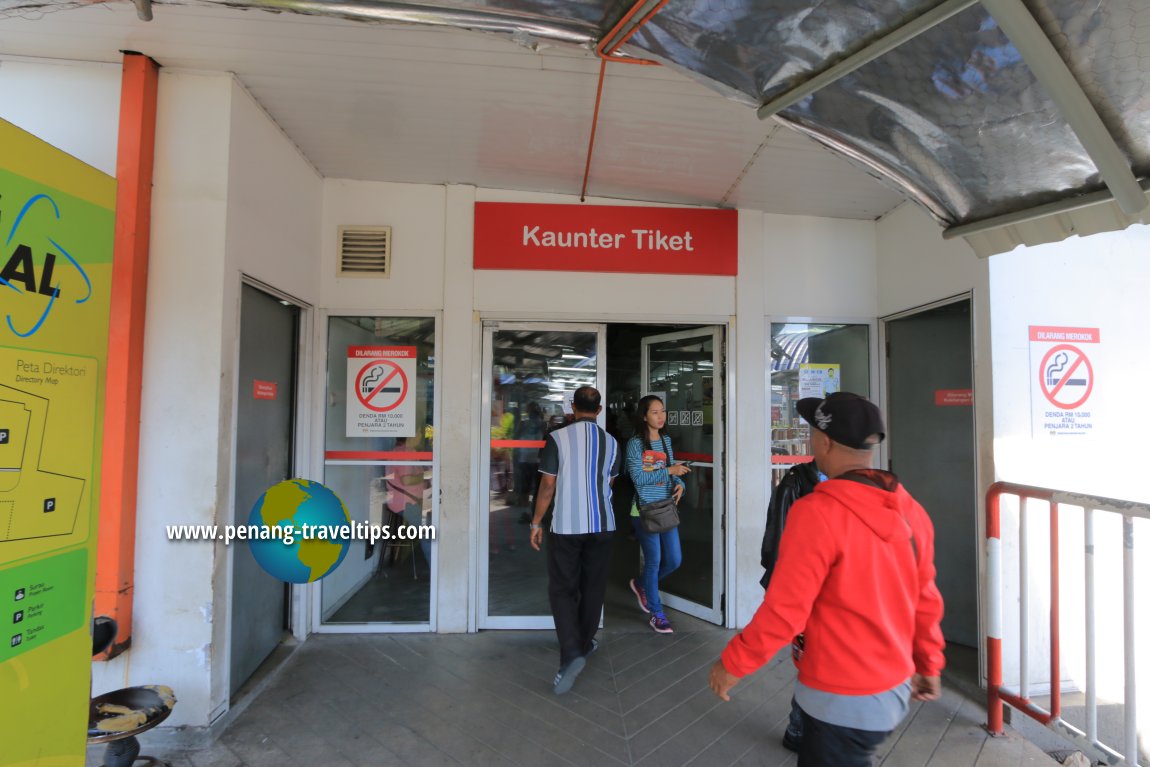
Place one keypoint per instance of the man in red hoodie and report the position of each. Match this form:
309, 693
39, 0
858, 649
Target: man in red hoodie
855, 575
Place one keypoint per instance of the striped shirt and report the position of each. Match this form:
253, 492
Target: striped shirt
583, 459
648, 470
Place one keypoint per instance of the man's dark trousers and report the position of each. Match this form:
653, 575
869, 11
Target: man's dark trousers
832, 745
577, 585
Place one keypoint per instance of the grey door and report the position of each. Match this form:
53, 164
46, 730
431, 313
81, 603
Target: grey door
269, 332
930, 420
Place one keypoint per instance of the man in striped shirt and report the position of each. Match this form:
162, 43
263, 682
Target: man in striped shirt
577, 467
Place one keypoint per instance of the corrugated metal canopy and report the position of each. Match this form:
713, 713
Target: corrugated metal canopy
1010, 121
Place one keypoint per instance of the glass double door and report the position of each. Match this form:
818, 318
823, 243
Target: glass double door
531, 371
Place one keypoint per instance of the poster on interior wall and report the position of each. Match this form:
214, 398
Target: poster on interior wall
1062, 377
381, 391
818, 380
56, 222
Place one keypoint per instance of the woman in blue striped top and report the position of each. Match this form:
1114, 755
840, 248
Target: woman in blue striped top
655, 476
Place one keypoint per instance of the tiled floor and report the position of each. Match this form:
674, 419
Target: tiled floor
486, 699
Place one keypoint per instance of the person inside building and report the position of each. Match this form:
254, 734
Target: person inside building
405, 486
530, 428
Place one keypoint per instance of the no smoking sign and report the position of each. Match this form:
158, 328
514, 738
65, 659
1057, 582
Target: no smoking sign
380, 400
1062, 379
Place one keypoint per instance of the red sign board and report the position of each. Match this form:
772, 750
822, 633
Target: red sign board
953, 397
264, 389
606, 238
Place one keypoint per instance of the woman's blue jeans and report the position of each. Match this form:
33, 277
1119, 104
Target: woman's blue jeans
661, 557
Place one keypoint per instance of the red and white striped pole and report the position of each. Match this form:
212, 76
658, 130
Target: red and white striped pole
993, 610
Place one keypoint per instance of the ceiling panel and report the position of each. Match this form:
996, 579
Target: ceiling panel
404, 103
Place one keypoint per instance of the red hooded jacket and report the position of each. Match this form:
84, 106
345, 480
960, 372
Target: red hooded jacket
856, 575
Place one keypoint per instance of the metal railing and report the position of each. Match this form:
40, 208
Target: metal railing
997, 694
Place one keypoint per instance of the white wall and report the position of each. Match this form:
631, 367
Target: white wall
275, 205
74, 106
415, 213
231, 196
820, 267
1099, 282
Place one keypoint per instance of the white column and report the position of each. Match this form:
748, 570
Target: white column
751, 459
455, 437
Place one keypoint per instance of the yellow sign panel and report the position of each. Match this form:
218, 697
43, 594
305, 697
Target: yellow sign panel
56, 232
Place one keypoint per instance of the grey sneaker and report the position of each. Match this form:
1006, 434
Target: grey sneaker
565, 679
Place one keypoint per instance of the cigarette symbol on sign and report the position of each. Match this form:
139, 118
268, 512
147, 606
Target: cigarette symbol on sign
1056, 376
381, 386
1053, 370
367, 385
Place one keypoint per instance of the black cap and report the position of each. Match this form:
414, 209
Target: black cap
848, 419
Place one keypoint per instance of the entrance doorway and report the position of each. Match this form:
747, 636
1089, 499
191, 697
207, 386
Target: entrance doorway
531, 371
265, 455
930, 418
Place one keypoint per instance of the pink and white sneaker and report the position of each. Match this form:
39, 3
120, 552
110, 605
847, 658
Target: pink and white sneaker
640, 595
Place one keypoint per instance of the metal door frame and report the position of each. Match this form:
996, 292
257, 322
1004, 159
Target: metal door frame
484, 620
876, 339
712, 614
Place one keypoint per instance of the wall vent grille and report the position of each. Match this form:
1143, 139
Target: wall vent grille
365, 251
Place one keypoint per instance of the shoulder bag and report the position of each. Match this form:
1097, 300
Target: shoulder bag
660, 516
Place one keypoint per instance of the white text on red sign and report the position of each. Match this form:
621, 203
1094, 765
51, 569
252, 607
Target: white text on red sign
644, 239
